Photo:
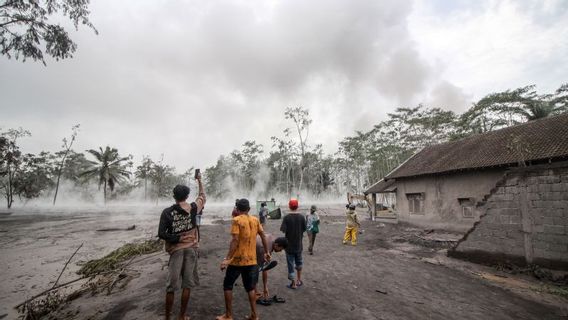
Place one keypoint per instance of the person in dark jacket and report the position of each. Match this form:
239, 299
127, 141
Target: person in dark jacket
293, 226
179, 229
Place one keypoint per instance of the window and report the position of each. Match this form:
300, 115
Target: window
415, 203
467, 207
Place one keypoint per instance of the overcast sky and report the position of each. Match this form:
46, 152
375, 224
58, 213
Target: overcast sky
195, 79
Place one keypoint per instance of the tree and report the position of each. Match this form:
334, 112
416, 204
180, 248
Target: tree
10, 161
108, 168
143, 173
247, 161
215, 177
67, 144
35, 176
27, 29
301, 118
283, 160
510, 107
163, 179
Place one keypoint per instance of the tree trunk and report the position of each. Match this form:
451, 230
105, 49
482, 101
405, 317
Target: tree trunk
105, 192
9, 196
145, 188
59, 176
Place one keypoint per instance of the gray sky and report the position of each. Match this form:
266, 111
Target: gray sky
196, 79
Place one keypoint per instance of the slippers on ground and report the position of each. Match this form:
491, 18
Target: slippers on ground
264, 302
277, 299
299, 283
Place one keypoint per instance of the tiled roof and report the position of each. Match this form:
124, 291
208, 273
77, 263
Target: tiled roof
381, 186
541, 139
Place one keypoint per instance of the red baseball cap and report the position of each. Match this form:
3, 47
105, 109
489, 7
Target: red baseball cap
293, 204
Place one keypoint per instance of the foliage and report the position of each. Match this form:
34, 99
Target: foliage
143, 173
246, 163
11, 162
109, 168
510, 107
39, 308
27, 29
114, 259
163, 179
290, 165
35, 176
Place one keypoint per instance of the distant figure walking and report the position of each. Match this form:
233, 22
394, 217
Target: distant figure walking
241, 259
312, 227
179, 228
262, 213
293, 226
352, 226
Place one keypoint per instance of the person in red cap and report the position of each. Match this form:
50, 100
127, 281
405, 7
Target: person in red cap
293, 226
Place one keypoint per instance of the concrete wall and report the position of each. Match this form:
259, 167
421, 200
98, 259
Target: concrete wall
441, 194
525, 220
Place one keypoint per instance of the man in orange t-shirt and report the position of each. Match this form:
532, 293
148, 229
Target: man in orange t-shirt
241, 259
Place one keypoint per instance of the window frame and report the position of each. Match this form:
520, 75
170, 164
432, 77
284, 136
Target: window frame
413, 199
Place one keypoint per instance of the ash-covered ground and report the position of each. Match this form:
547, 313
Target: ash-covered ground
395, 272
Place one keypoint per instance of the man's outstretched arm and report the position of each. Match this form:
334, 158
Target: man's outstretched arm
201, 199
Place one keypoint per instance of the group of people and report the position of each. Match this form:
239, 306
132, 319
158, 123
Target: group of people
250, 249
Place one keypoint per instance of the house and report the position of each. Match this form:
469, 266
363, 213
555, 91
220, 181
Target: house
508, 188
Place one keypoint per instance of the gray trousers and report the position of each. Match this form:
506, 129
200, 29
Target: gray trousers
182, 267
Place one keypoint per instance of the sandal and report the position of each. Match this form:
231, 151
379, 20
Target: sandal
264, 302
277, 299
299, 283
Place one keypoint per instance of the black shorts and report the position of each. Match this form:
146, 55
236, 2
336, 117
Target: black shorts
249, 274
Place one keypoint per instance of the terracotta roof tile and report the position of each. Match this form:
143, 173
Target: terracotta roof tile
539, 140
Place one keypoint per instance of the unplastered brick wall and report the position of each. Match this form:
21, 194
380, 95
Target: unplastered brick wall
524, 219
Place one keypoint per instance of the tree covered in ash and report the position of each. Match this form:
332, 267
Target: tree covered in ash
29, 29
291, 166
295, 166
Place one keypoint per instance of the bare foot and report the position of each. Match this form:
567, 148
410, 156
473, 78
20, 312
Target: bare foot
251, 318
223, 317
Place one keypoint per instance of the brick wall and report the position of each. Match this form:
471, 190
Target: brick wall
524, 220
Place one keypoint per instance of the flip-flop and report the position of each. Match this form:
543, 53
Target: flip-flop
277, 299
300, 283
289, 286
264, 302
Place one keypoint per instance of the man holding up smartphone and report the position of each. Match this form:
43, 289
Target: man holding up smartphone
179, 229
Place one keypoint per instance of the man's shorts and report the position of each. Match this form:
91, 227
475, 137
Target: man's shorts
248, 273
182, 267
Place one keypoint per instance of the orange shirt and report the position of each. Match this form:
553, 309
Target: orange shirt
246, 227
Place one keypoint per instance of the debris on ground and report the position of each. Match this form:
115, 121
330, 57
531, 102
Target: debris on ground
103, 274
113, 260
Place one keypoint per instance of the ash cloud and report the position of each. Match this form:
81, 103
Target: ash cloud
194, 80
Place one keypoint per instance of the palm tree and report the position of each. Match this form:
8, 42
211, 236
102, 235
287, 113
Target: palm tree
108, 168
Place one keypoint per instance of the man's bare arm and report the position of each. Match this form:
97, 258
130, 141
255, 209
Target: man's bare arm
265, 245
200, 201
232, 249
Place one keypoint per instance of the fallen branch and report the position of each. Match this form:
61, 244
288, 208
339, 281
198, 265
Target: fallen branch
64, 267
49, 290
117, 278
133, 227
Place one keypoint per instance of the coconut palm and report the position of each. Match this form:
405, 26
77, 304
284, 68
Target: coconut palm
109, 168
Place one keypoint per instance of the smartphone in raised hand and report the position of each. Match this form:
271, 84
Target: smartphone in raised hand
197, 173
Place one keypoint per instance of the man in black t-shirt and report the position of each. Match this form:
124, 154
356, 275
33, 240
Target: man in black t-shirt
293, 226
